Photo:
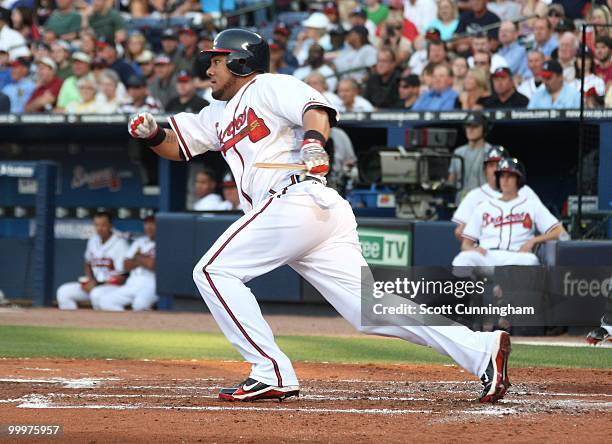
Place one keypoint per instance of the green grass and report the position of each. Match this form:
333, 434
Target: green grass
91, 343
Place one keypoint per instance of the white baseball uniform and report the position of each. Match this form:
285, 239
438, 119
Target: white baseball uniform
501, 228
106, 260
300, 223
484, 192
210, 202
139, 289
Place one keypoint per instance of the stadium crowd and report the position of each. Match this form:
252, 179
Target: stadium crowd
107, 56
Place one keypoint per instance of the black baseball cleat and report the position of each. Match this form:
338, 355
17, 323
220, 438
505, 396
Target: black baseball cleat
253, 390
598, 335
495, 378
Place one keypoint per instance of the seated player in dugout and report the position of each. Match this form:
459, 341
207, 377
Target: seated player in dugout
139, 290
103, 265
502, 230
206, 192
486, 191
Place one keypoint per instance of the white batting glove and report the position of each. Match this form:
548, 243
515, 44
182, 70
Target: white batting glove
315, 157
142, 126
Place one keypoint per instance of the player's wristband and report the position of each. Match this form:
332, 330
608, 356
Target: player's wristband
157, 139
313, 136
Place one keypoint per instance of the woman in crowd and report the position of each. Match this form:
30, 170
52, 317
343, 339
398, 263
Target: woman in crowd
448, 19
136, 44
88, 42
107, 98
87, 90
460, 69
599, 15
475, 87
24, 21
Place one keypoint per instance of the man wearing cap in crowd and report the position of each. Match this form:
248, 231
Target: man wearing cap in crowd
21, 88
145, 63
187, 101
359, 54
555, 93
81, 67
48, 86
359, 17
60, 53
189, 53
140, 100
278, 64
64, 22
408, 91
316, 28
506, 95
281, 35
11, 41
108, 51
422, 56
105, 20
420, 12
513, 52
170, 44
163, 87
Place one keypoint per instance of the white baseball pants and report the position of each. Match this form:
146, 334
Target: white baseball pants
312, 229
494, 258
70, 293
138, 291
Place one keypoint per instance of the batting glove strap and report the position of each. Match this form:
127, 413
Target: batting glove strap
143, 126
315, 157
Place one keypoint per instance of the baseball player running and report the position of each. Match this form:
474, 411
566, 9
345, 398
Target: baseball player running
139, 289
505, 227
103, 264
486, 191
289, 218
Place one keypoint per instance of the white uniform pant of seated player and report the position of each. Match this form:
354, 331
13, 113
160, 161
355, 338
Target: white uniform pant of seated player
473, 258
313, 230
138, 291
70, 293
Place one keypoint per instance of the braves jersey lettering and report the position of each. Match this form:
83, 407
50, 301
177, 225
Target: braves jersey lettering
261, 123
497, 224
106, 258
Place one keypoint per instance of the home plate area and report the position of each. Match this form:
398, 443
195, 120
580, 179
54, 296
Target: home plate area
176, 401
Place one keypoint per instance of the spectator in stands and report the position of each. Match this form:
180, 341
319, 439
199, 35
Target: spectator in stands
377, 11
396, 17
566, 55
278, 64
482, 61
505, 9
506, 95
352, 102
420, 12
545, 41
471, 175
481, 44
48, 85
109, 99
535, 62
5, 104
478, 14
594, 87
136, 45
231, 200
336, 35
170, 45
555, 14
359, 54
70, 93
512, 52
442, 96
460, 70
205, 189
281, 34
447, 20
163, 87
330, 9
391, 37
381, 88
427, 77
556, 94
64, 22
139, 289
475, 89
60, 53
205, 40
5, 69
21, 87
11, 41
187, 101
531, 8
316, 80
145, 63
316, 63
87, 91
104, 19
187, 58
88, 42
359, 17
409, 90
573, 8
435, 53
599, 15
603, 58
316, 28
108, 51
24, 22
139, 100
103, 264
